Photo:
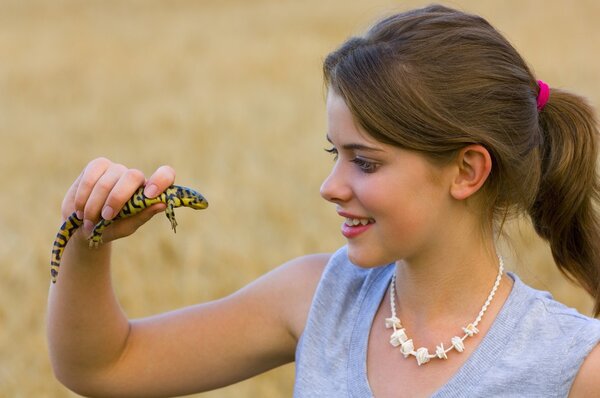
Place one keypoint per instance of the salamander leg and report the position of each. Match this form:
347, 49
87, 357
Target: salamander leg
170, 212
96, 238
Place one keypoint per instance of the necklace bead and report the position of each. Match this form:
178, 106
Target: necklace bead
399, 337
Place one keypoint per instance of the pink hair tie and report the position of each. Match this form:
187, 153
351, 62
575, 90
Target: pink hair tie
543, 95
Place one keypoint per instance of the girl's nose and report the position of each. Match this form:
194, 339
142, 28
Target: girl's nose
335, 188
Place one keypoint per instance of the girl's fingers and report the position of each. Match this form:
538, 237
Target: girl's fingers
160, 180
101, 190
121, 192
87, 181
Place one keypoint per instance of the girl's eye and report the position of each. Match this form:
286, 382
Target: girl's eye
332, 151
364, 165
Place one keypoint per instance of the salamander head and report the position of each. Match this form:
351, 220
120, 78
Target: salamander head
191, 198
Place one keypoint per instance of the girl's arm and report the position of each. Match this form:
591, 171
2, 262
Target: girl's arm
96, 351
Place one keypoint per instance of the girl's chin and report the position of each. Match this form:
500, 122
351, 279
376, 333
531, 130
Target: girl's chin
366, 258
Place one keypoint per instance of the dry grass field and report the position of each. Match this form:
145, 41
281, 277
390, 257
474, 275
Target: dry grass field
230, 94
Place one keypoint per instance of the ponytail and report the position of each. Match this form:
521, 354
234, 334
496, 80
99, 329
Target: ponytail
566, 210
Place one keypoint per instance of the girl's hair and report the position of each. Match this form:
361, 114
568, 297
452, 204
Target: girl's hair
435, 80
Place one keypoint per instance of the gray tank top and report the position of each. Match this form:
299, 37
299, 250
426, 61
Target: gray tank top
533, 349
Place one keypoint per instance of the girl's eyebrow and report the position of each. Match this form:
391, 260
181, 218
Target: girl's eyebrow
355, 146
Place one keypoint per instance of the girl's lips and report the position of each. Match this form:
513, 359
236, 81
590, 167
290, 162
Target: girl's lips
354, 225
352, 231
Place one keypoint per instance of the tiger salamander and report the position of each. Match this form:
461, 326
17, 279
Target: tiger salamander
174, 196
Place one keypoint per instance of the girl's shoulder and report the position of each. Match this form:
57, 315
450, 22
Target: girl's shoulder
293, 286
575, 339
586, 382
553, 317
547, 340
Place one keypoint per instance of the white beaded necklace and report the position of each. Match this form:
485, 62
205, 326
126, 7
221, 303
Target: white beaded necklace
422, 355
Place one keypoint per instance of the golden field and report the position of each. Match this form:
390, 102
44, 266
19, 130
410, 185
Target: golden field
230, 94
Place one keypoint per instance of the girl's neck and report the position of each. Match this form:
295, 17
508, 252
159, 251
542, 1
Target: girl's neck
447, 285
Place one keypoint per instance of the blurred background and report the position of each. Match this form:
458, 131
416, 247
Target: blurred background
230, 94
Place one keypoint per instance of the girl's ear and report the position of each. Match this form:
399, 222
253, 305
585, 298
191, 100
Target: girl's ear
474, 165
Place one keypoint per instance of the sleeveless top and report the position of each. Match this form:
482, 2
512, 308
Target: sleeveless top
533, 349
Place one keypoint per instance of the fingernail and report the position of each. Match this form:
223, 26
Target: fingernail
151, 191
79, 214
107, 212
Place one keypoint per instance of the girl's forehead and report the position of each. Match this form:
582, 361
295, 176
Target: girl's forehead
343, 126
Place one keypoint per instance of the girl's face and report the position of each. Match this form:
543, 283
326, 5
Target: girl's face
394, 201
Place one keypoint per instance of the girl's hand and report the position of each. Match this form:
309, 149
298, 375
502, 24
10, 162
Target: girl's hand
103, 188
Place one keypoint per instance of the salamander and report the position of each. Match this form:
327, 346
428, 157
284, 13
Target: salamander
174, 196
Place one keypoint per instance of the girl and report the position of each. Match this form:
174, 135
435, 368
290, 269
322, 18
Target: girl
439, 132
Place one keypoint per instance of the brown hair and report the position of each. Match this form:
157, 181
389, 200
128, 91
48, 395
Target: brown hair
435, 79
